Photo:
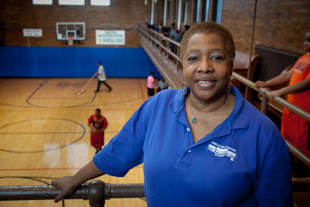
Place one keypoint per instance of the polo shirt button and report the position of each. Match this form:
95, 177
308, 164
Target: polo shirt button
189, 150
188, 129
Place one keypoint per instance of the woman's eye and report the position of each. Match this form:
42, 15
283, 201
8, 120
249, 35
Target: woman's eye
217, 57
193, 58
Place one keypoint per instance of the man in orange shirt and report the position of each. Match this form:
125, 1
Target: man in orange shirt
294, 128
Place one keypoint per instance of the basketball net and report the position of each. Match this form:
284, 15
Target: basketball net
70, 40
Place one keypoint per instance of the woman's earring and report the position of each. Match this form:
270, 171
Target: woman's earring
184, 88
229, 87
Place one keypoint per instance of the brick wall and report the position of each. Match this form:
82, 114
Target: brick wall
120, 15
281, 24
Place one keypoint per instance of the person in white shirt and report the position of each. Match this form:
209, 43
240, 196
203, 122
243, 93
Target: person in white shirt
101, 77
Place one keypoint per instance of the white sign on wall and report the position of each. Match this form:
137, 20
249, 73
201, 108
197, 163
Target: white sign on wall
32, 32
110, 37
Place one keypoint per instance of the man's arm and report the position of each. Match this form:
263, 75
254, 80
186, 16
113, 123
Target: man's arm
68, 185
280, 79
101, 130
295, 88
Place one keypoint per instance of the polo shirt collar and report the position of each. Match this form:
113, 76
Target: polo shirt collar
239, 117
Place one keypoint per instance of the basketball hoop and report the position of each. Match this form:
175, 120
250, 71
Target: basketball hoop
70, 40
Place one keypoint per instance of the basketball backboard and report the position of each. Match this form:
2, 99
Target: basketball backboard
75, 29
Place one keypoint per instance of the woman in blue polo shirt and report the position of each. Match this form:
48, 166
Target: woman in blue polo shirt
203, 145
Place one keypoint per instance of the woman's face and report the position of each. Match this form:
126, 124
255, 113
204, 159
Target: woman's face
206, 66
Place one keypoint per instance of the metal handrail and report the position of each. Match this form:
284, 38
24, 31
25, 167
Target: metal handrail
149, 34
96, 192
265, 91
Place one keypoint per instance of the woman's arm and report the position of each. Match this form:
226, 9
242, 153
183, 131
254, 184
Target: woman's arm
273, 185
68, 185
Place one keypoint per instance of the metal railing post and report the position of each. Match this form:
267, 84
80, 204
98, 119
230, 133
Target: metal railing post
264, 104
96, 193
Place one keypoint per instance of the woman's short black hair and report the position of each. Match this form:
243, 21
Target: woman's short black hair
209, 28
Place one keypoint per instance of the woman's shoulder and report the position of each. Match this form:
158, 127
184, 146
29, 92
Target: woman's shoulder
165, 97
168, 94
250, 115
169, 91
256, 115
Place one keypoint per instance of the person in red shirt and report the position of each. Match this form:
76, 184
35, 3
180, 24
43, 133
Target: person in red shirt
294, 128
100, 123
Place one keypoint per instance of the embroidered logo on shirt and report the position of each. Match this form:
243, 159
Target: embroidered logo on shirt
222, 151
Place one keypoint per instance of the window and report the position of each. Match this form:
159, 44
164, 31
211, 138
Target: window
71, 2
196, 10
217, 11
100, 2
205, 10
43, 2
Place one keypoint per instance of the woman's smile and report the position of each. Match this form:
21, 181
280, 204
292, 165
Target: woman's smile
206, 83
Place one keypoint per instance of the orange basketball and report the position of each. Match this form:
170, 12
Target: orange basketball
94, 131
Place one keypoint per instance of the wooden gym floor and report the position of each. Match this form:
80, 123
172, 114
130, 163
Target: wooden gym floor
44, 133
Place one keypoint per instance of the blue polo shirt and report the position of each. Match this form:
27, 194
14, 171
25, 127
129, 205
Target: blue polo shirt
243, 162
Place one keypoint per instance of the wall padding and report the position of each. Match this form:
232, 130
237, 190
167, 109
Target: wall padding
74, 62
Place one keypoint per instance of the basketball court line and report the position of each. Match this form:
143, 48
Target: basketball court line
72, 107
30, 97
106, 98
141, 90
2, 82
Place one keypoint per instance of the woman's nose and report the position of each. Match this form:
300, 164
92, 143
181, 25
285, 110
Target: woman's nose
205, 66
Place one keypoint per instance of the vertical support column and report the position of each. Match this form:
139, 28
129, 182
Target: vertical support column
145, 6
179, 14
200, 11
207, 10
152, 12
165, 13
185, 13
251, 49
